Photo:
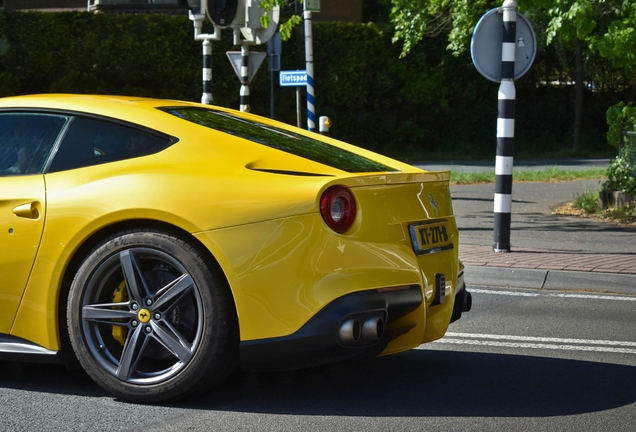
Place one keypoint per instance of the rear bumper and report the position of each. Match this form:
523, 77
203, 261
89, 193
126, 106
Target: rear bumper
328, 336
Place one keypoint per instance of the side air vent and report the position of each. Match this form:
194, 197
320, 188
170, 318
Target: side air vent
290, 173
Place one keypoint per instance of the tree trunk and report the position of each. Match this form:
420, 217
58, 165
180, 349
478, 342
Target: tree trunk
578, 101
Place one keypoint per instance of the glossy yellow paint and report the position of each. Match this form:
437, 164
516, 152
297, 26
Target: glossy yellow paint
284, 271
22, 201
282, 263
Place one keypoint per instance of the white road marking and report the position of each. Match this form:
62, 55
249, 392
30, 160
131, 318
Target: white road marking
534, 342
539, 346
593, 296
508, 293
560, 295
540, 339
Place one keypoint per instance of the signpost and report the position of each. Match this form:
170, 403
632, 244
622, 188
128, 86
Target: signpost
309, 63
296, 79
292, 78
196, 12
503, 48
274, 49
244, 18
486, 45
255, 61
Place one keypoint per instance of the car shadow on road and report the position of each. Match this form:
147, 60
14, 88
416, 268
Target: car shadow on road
418, 383
432, 383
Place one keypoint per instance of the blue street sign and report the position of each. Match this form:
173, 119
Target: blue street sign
292, 78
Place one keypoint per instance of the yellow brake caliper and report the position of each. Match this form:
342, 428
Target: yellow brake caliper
120, 295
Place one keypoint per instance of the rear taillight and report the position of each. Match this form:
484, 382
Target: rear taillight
338, 208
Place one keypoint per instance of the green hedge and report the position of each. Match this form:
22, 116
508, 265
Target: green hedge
429, 102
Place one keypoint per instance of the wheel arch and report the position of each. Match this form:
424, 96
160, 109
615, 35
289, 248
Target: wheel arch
88, 245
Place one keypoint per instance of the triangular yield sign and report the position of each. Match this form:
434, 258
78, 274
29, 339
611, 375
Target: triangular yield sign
255, 60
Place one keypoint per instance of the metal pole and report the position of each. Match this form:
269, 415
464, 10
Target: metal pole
505, 130
309, 62
271, 94
197, 21
298, 118
206, 96
245, 76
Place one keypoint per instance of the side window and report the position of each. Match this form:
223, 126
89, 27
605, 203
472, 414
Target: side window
91, 141
26, 141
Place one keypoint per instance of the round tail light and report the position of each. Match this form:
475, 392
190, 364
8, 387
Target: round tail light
338, 208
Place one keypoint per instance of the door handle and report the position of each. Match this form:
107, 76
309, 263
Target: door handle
29, 210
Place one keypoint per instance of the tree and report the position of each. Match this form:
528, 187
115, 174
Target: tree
608, 28
618, 44
574, 22
285, 28
413, 19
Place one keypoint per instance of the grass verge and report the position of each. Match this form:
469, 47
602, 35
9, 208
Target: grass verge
553, 174
585, 204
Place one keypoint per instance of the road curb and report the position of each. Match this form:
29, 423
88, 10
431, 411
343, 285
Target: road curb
549, 279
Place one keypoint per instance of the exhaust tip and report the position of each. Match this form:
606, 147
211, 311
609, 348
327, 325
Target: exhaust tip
373, 329
350, 331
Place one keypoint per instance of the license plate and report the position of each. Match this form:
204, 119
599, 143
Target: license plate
430, 238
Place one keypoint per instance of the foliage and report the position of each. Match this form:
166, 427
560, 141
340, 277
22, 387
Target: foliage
620, 117
613, 20
415, 18
621, 176
582, 30
570, 19
285, 28
587, 201
624, 215
99, 53
618, 42
431, 104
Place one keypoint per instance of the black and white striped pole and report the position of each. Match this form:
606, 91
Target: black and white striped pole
503, 48
206, 96
505, 130
244, 103
197, 10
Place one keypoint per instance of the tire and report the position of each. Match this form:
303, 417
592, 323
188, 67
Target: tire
151, 319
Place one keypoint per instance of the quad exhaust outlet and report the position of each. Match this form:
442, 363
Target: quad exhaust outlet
353, 331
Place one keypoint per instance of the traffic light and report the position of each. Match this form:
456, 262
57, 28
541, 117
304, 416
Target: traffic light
254, 32
195, 6
226, 13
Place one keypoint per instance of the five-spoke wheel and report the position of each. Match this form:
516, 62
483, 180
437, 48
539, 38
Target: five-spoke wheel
150, 319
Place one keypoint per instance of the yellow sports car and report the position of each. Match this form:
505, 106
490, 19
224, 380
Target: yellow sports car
163, 244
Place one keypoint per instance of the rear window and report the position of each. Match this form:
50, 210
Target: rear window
280, 139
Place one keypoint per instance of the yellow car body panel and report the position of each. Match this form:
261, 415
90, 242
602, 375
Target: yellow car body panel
283, 264
22, 205
300, 255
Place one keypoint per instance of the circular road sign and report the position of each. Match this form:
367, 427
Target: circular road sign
485, 46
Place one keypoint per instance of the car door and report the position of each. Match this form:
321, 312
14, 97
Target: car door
26, 143
22, 207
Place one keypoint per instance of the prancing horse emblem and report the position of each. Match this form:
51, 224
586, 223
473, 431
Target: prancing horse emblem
433, 203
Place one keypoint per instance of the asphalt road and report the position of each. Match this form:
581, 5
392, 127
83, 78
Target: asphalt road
521, 360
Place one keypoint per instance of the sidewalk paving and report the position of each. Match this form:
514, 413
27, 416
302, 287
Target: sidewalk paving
618, 263
548, 251
545, 269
